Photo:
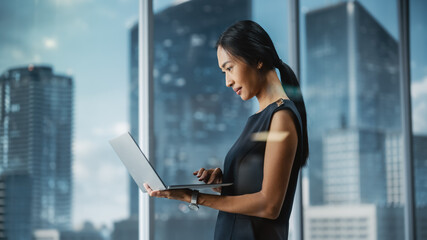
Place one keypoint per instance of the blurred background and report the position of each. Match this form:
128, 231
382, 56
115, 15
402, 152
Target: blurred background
69, 83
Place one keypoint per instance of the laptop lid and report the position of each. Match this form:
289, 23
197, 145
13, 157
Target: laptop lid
136, 162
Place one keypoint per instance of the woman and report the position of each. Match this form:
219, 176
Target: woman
263, 168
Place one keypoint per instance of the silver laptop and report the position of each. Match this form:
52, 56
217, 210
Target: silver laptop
140, 168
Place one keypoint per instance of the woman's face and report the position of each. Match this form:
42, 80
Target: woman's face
241, 77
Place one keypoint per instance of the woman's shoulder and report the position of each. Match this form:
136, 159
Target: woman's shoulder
288, 106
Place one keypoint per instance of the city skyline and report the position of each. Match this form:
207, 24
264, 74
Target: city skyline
44, 38
87, 40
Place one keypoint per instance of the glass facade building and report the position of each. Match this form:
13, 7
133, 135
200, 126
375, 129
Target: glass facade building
36, 134
353, 101
352, 79
195, 118
418, 80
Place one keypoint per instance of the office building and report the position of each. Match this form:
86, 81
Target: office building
394, 163
36, 109
88, 232
196, 117
361, 222
126, 229
352, 79
419, 143
354, 167
352, 94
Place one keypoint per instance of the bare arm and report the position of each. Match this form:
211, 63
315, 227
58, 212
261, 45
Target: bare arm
278, 160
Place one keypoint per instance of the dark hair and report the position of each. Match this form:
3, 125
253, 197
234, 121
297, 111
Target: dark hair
248, 41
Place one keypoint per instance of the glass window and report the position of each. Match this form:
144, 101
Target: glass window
64, 68
351, 85
418, 38
196, 117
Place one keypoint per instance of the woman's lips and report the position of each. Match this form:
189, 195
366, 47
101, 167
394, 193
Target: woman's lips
238, 91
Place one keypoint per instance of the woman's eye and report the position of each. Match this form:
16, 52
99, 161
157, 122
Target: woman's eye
229, 69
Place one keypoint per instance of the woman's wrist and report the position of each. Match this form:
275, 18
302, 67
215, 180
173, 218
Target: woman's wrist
187, 196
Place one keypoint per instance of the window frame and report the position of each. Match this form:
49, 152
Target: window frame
145, 111
405, 88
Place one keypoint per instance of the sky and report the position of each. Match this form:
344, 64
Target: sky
89, 40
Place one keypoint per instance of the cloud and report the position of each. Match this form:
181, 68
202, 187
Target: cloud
37, 58
17, 54
83, 148
419, 88
79, 25
69, 3
109, 131
50, 43
419, 106
107, 12
79, 170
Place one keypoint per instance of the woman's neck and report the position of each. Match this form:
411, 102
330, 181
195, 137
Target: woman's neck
271, 90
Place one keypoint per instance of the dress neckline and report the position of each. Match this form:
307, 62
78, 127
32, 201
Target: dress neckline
279, 102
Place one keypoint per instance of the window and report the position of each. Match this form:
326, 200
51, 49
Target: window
351, 85
418, 70
196, 117
64, 73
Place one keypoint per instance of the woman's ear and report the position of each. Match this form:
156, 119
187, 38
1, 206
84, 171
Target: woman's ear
259, 66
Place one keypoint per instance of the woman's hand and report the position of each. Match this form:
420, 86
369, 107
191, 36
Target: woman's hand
177, 194
210, 176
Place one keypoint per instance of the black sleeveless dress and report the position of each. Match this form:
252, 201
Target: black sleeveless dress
244, 165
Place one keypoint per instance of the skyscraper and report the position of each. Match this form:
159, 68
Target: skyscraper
196, 118
420, 175
36, 109
354, 167
353, 108
352, 79
394, 163
361, 221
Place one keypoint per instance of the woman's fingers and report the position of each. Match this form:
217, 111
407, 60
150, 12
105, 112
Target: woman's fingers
213, 176
200, 172
151, 192
197, 171
204, 176
216, 176
155, 193
148, 189
208, 176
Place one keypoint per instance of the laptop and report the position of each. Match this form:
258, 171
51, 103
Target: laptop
141, 169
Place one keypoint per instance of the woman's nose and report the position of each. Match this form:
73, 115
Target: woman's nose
228, 81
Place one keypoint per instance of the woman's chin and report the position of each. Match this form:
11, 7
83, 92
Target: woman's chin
245, 97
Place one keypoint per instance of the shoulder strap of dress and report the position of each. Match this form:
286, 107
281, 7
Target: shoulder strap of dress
288, 104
